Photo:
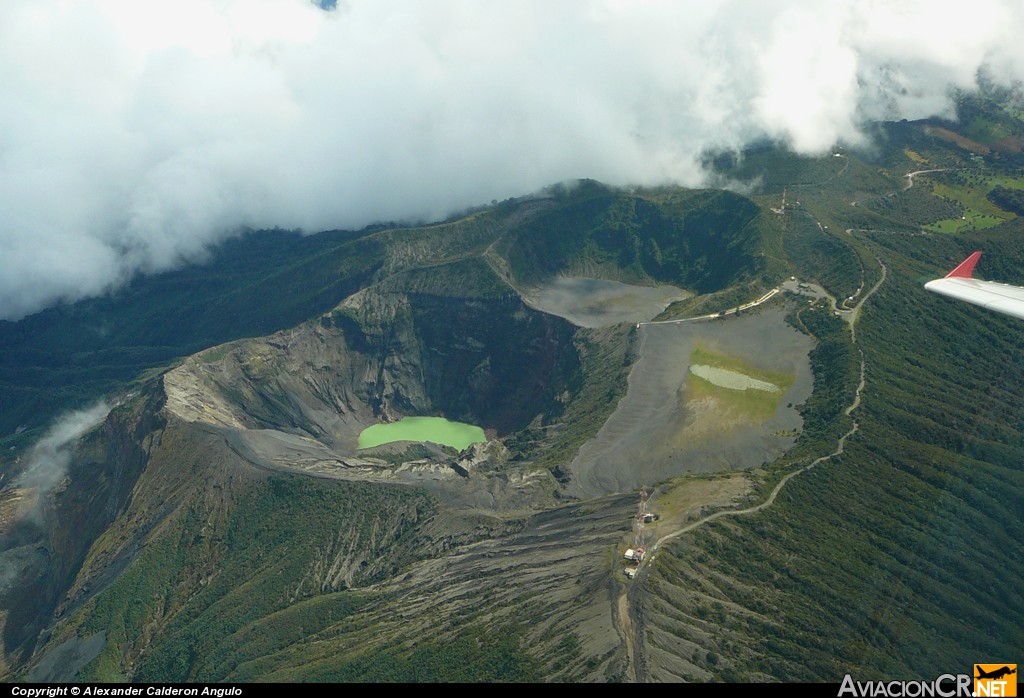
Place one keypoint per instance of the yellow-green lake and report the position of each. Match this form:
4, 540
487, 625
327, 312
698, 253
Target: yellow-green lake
435, 429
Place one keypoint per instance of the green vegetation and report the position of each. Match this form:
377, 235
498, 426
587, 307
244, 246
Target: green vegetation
700, 240
777, 169
472, 656
993, 118
971, 193
820, 256
985, 130
606, 356
1007, 198
896, 557
65, 357
227, 585
433, 429
702, 355
879, 562
985, 200
758, 404
709, 303
914, 156
916, 204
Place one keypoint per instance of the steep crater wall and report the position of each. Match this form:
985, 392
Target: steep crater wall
701, 240
381, 355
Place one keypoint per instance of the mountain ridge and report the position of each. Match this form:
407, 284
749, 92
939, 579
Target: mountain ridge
401, 567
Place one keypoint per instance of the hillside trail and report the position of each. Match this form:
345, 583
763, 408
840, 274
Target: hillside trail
854, 313
627, 627
910, 175
715, 316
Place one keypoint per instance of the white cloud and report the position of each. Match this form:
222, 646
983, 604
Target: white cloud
49, 459
133, 135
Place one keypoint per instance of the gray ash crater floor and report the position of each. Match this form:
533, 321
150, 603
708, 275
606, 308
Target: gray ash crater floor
656, 433
589, 302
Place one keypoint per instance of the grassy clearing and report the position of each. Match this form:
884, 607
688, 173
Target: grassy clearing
971, 194
757, 404
972, 220
213, 355
958, 139
702, 355
687, 497
986, 131
1008, 182
914, 156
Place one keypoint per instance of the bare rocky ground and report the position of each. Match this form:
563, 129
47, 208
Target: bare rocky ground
657, 433
556, 577
457, 480
295, 402
63, 662
600, 302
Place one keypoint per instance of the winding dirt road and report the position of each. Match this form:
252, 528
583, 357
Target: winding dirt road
712, 316
854, 313
841, 444
910, 175
627, 627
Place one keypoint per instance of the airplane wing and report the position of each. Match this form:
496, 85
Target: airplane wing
961, 284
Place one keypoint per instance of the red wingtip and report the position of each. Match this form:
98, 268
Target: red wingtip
965, 270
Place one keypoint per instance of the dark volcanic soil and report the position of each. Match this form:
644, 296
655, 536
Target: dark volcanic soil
600, 303
655, 433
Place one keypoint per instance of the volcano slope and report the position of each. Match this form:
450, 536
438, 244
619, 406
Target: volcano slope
671, 423
897, 558
221, 524
192, 553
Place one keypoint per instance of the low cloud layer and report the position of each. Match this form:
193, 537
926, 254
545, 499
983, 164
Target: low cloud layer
134, 135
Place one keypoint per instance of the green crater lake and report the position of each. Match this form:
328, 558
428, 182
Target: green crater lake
436, 429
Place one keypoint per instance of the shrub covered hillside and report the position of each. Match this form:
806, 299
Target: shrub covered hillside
900, 557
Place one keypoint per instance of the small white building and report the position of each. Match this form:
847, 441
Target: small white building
635, 555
